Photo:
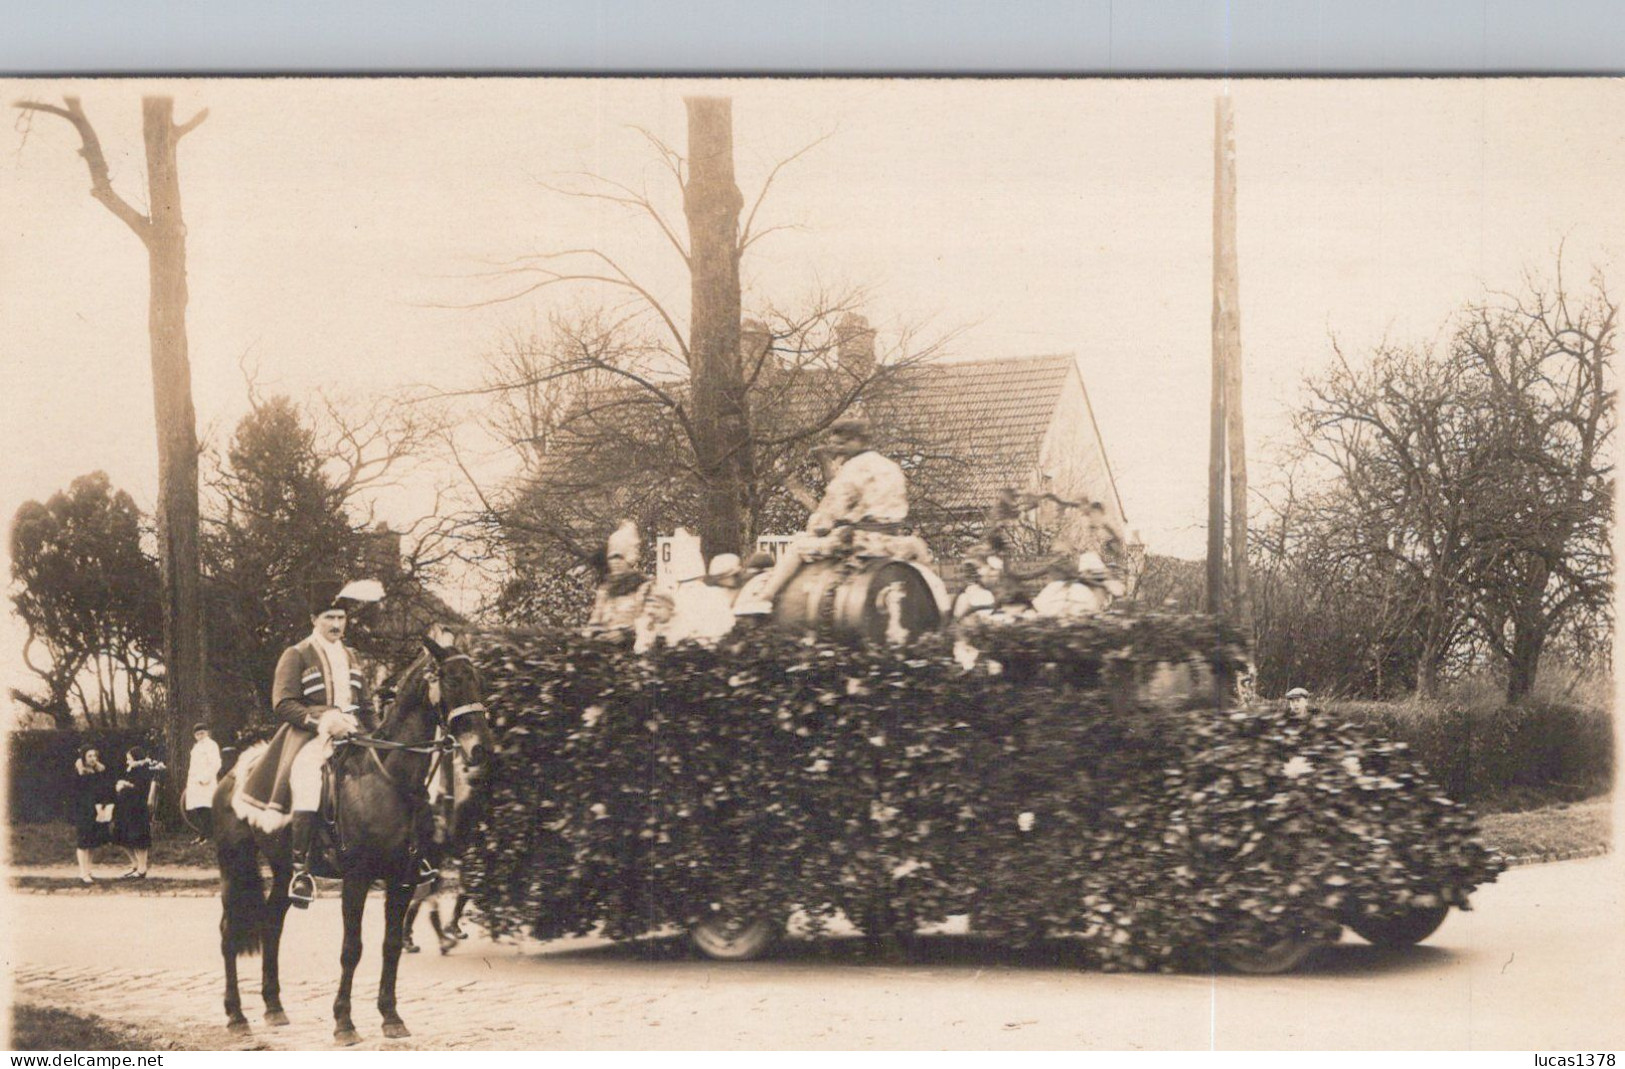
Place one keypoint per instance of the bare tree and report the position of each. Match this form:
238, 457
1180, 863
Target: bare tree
1543, 525
620, 411
1472, 482
163, 232
1401, 436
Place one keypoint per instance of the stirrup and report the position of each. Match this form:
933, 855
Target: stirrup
301, 889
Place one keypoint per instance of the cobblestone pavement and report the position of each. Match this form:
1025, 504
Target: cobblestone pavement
1536, 965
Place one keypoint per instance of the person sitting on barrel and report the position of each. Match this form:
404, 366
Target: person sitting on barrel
861, 513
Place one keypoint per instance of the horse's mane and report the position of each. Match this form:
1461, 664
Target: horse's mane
413, 688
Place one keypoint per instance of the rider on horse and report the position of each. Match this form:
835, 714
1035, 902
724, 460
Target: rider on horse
320, 694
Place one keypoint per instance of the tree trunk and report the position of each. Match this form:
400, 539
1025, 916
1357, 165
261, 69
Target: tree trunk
712, 202
1430, 666
177, 435
1524, 664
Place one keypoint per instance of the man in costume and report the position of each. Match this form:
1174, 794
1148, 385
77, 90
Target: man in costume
862, 512
320, 694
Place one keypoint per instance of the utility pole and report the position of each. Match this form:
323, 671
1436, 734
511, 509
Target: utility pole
1214, 602
1227, 350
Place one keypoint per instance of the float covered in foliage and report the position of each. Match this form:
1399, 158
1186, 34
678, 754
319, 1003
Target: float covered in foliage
1049, 793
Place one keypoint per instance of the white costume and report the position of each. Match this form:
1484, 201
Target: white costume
202, 773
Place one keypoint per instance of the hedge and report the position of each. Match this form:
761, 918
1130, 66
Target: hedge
1052, 797
1502, 755
43, 782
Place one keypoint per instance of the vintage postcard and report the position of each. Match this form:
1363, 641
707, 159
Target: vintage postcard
873, 563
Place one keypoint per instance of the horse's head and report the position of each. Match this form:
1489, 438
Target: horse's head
455, 689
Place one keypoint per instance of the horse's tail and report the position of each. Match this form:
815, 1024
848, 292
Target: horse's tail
242, 888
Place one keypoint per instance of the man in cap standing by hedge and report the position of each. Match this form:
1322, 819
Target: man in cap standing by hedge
202, 772
1297, 700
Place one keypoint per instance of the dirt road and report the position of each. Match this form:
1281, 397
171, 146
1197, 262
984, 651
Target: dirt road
1537, 964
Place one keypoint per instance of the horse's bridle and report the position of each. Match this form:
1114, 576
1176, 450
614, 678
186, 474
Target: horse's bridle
437, 749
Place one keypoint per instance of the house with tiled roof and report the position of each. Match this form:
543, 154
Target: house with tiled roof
1022, 422
963, 430
967, 429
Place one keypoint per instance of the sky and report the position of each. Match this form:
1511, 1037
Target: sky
337, 230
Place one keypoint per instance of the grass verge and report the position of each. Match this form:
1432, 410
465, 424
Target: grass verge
35, 1027
1555, 833
52, 844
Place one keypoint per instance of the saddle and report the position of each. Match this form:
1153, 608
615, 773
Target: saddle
331, 839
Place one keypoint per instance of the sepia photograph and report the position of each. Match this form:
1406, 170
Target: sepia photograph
544, 563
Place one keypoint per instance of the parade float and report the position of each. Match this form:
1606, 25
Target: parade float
1097, 780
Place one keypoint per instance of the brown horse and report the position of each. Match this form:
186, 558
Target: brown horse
382, 794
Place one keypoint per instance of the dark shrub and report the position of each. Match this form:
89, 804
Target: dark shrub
42, 782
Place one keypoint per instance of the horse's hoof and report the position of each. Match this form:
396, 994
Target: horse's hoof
276, 1017
239, 1027
447, 944
411, 948
346, 1037
395, 1030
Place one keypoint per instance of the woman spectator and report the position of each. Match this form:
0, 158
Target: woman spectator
92, 808
137, 790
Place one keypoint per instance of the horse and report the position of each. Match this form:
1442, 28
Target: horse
455, 819
382, 792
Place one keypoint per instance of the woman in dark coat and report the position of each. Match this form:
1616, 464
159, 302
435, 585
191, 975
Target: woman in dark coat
92, 798
132, 812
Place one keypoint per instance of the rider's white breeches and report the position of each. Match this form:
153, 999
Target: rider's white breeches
305, 775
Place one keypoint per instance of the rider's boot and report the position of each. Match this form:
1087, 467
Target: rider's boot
302, 888
423, 847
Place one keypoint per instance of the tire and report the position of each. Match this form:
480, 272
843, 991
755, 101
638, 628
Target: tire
1402, 929
724, 938
1282, 956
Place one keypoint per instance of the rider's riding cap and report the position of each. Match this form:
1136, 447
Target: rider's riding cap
322, 595
325, 595
1296, 692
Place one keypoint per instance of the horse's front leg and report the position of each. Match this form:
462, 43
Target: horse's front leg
236, 1023
355, 904
397, 896
271, 975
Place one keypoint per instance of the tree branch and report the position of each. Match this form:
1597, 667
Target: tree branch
101, 183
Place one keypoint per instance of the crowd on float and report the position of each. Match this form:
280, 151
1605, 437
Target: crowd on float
863, 513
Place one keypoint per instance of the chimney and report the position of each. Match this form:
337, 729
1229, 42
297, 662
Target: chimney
754, 341
855, 345
381, 550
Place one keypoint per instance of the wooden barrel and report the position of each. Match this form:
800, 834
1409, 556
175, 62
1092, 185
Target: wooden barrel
876, 600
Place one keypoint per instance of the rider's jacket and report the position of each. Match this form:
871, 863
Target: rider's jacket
304, 687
